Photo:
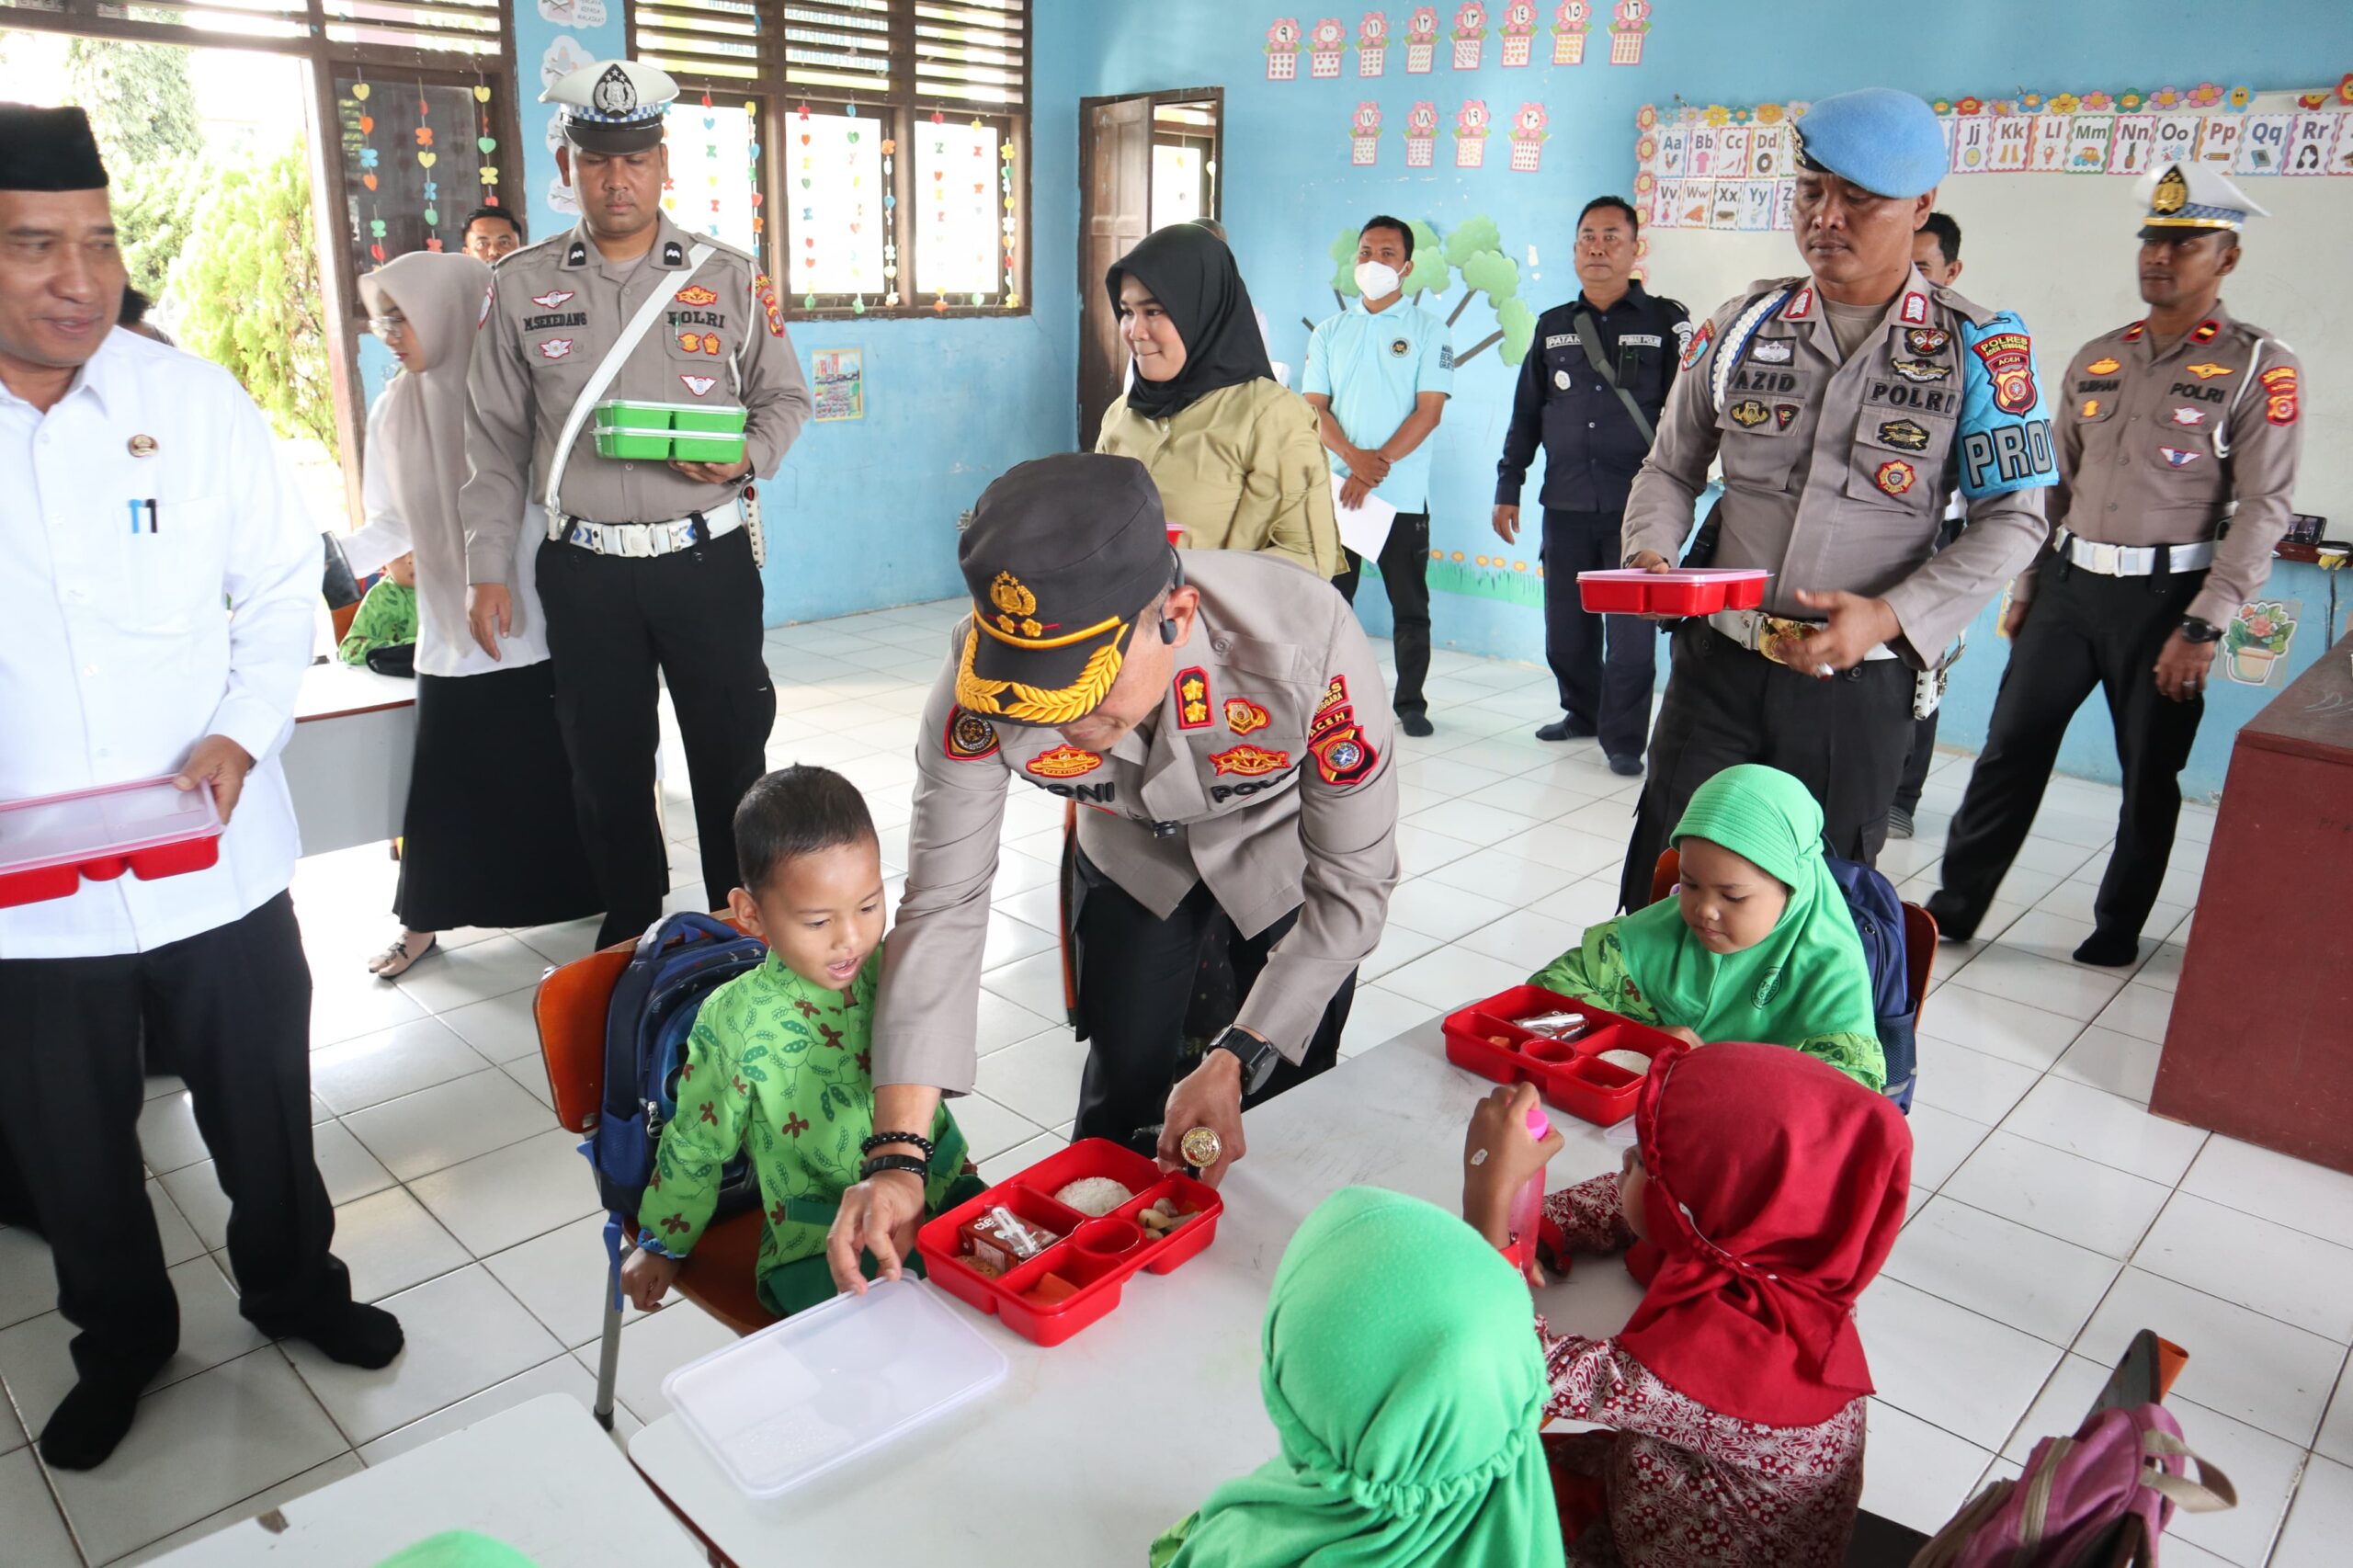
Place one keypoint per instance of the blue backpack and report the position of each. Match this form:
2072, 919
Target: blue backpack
681, 960
1878, 921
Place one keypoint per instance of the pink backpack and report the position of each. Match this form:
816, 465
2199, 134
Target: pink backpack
2100, 1499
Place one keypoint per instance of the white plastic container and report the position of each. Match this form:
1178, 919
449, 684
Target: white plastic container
830, 1385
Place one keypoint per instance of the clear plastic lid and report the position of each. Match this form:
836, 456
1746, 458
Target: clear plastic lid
830, 1385
90, 824
1676, 575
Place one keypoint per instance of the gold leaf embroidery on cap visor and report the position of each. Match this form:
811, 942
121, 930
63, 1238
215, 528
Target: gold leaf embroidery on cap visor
1036, 705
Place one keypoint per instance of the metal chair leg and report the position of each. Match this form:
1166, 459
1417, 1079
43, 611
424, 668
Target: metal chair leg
608, 1356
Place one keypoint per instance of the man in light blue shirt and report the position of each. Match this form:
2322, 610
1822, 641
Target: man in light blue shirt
1378, 376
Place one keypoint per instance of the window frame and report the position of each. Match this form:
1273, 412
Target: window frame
900, 115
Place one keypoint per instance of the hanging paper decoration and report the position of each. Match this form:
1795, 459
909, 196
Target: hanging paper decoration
1519, 32
1421, 135
1628, 25
486, 144
1528, 138
1282, 49
1421, 41
1012, 236
1372, 43
1327, 43
1470, 35
1471, 135
1365, 136
371, 161
890, 227
1570, 20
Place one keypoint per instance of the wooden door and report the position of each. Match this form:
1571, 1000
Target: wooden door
1115, 184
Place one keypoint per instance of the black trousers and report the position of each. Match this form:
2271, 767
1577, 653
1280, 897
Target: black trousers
613, 625
1917, 765
71, 1089
1608, 690
1405, 572
1135, 975
2085, 633
1845, 738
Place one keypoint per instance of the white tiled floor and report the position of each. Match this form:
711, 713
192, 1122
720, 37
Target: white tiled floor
2052, 1215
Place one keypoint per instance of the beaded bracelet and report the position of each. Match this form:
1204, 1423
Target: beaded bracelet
884, 1140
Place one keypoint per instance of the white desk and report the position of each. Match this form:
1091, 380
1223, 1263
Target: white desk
542, 1477
1101, 1443
347, 762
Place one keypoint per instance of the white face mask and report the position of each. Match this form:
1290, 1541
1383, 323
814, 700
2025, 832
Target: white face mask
1376, 280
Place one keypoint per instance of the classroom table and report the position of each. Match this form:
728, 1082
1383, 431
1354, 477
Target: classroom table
1102, 1442
2259, 1044
347, 762
542, 1477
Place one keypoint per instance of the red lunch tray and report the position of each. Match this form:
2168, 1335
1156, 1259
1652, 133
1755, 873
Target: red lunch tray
1567, 1073
145, 828
1096, 1256
1685, 590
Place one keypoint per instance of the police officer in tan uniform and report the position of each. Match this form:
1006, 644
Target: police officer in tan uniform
651, 566
2178, 438
1845, 405
1222, 719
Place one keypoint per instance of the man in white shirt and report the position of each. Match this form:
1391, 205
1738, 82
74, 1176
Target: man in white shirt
156, 580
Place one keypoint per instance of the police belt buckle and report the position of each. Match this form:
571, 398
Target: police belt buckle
2133, 560
638, 542
1774, 636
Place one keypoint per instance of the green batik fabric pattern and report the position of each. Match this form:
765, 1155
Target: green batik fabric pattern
1594, 972
387, 616
780, 1068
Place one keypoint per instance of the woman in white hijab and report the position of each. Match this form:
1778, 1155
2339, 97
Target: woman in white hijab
481, 846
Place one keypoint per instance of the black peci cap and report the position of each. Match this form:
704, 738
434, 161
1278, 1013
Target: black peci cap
1061, 554
48, 149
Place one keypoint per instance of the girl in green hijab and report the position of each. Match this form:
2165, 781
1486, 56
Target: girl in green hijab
1407, 1389
1757, 944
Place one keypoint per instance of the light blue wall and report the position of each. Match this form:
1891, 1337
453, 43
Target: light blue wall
1289, 188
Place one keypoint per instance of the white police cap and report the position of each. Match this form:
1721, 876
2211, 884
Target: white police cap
613, 106
2191, 197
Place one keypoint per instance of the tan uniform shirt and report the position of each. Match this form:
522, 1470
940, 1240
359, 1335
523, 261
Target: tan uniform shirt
1268, 769
2155, 444
554, 311
1835, 473
1241, 469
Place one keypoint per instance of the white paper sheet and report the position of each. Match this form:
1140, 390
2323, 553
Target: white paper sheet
1363, 529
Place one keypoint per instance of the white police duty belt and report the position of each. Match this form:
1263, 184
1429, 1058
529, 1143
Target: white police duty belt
638, 542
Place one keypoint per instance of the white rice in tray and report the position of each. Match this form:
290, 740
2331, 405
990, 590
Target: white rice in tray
1093, 1196
1632, 1060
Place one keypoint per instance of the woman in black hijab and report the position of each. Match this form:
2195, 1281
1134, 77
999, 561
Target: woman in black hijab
1236, 455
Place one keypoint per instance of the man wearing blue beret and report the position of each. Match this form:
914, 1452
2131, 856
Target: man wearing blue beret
1845, 405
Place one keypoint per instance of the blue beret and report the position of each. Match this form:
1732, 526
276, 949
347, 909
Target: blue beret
1886, 142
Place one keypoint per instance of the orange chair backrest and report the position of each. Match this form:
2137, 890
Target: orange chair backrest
343, 616
570, 1010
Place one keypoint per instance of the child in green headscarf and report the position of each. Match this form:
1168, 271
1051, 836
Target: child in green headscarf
1758, 944
1407, 1393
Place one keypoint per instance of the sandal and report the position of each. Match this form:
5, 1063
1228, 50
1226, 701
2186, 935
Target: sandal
399, 958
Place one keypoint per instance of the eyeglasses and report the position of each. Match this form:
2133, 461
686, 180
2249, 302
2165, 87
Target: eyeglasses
388, 327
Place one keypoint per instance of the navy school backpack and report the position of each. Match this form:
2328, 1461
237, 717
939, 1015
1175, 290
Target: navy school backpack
680, 960
1878, 921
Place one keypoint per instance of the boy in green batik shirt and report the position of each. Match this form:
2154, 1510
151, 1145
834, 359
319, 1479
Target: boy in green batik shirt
387, 615
778, 1063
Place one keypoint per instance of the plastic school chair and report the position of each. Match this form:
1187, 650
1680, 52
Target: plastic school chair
1919, 930
570, 1009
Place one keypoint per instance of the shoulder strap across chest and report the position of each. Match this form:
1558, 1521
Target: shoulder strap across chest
1736, 341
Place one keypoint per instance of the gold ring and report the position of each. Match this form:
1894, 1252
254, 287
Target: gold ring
1201, 1148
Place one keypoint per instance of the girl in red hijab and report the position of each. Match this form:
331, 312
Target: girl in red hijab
1763, 1193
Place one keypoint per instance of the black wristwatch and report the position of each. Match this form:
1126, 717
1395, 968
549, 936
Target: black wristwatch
2196, 630
1258, 1057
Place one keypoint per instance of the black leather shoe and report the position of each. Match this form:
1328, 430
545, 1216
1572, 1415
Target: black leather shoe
2108, 949
1567, 728
1416, 724
1954, 923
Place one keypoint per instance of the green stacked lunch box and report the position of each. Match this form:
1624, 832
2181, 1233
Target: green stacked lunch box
655, 431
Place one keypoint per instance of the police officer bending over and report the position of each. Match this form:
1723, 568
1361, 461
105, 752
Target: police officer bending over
1845, 405
651, 566
1223, 720
2171, 429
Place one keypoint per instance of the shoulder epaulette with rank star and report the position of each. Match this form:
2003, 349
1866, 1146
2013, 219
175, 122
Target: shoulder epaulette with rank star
2206, 331
2134, 333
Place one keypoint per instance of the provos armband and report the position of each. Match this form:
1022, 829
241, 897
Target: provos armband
2004, 422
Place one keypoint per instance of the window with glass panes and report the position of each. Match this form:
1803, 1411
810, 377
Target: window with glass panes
883, 145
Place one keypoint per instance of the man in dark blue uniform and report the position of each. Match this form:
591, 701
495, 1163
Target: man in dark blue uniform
1591, 388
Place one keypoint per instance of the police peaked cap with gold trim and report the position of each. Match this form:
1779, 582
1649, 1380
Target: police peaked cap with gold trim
613, 106
1887, 141
1063, 554
2192, 197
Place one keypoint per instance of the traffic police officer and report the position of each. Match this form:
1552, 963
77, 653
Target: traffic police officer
1221, 716
1845, 405
2177, 446
1595, 410
652, 566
